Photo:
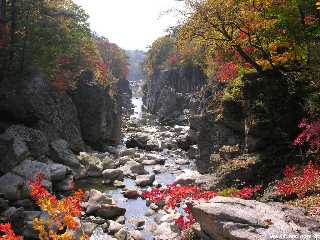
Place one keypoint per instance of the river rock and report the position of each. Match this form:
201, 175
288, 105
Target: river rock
181, 161
123, 160
145, 180
121, 234
102, 205
113, 174
28, 169
88, 227
61, 153
114, 227
187, 178
65, 185
127, 152
138, 169
58, 172
136, 235
118, 184
11, 186
92, 164
232, 218
131, 194
12, 152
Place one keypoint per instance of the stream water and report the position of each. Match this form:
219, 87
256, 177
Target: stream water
136, 208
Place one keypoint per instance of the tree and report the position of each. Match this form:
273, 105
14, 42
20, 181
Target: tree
273, 30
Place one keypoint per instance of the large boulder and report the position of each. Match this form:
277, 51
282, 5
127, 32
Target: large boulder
12, 152
99, 113
11, 186
233, 219
35, 103
28, 169
35, 140
145, 180
92, 164
61, 153
113, 174
101, 205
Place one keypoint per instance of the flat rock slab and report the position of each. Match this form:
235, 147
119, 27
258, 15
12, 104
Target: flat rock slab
234, 219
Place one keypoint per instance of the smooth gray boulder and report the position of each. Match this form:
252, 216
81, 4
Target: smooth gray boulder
11, 186
227, 218
29, 169
12, 152
145, 180
113, 174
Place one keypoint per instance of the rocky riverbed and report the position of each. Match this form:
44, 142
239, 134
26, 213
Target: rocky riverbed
150, 156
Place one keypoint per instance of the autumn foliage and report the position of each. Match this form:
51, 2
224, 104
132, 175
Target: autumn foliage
62, 213
7, 233
176, 197
299, 182
308, 179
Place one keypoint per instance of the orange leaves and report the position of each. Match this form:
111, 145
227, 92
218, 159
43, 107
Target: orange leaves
62, 213
227, 71
7, 233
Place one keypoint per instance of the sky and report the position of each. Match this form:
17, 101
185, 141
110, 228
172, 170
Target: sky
131, 24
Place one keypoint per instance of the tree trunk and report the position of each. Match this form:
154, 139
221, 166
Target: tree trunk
248, 58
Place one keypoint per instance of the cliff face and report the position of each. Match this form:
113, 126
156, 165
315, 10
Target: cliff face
88, 115
260, 116
169, 92
34, 103
99, 113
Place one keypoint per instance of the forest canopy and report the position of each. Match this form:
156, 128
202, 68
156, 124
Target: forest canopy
53, 36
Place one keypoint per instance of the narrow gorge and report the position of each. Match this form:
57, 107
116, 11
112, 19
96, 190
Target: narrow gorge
212, 132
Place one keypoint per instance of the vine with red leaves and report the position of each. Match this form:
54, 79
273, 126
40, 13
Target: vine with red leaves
7, 232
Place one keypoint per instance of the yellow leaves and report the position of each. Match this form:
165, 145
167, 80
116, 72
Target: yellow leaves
40, 226
62, 213
318, 4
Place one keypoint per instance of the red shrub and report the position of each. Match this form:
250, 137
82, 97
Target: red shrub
7, 233
310, 134
299, 184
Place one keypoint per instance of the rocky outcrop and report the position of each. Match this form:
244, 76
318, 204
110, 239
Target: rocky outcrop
169, 92
124, 95
35, 103
233, 219
99, 112
212, 134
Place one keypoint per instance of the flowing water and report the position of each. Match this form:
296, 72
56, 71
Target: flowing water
136, 208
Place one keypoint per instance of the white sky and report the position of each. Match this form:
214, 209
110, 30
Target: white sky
131, 24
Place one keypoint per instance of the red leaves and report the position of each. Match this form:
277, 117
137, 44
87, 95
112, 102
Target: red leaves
185, 222
8, 233
310, 134
227, 71
175, 196
247, 192
311, 19
62, 213
38, 191
299, 184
